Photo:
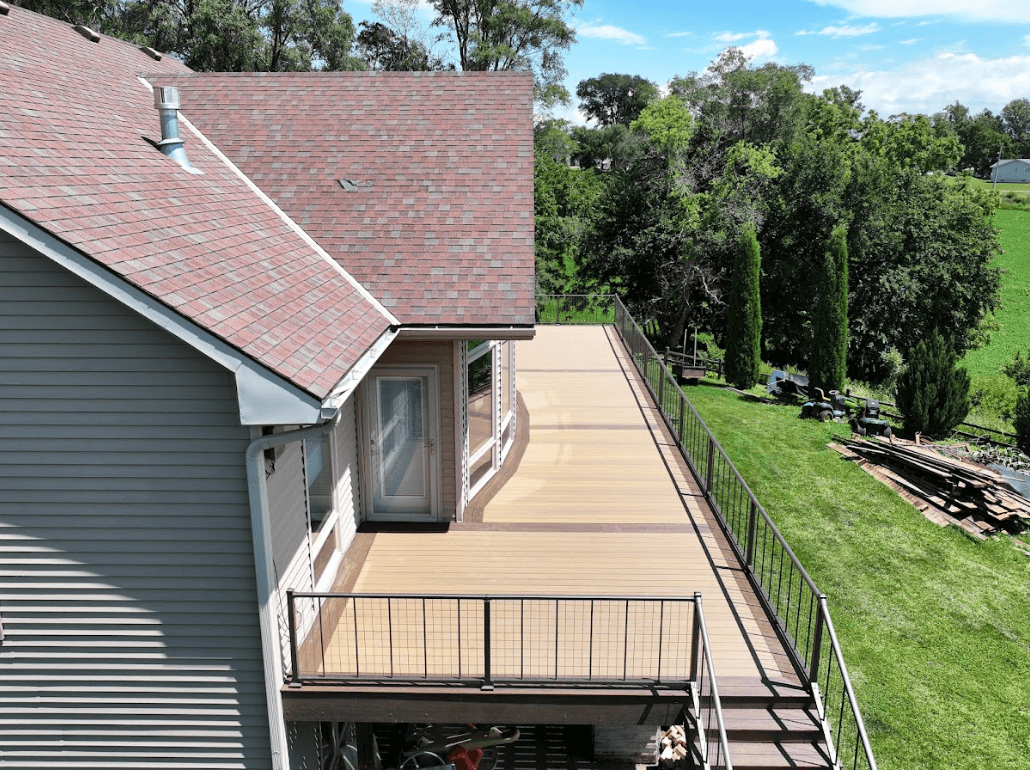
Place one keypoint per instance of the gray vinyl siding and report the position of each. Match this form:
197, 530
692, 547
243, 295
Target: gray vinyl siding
126, 563
348, 486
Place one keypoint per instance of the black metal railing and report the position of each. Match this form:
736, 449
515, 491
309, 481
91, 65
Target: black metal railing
789, 594
711, 737
575, 309
492, 639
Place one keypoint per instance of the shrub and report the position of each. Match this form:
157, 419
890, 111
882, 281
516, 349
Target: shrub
933, 393
1022, 420
744, 314
995, 396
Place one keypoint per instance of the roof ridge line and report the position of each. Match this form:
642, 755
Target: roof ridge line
283, 215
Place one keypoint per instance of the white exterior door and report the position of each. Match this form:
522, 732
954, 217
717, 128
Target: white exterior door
400, 409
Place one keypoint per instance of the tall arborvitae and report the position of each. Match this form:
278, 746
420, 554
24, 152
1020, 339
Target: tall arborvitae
744, 324
933, 393
827, 363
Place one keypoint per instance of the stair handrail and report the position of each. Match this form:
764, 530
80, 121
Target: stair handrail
703, 714
701, 449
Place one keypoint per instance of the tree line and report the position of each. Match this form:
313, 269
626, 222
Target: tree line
665, 186
303, 35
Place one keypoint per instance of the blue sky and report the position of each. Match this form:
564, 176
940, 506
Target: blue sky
902, 56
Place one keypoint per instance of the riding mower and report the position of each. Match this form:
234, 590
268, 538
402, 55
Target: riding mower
822, 408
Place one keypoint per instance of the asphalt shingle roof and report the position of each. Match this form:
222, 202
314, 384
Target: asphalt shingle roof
438, 219
75, 119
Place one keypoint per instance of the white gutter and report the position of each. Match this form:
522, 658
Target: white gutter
261, 529
427, 333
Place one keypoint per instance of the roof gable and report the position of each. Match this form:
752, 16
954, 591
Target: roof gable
435, 211
77, 125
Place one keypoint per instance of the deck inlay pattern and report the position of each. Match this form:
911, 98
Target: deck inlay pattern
601, 504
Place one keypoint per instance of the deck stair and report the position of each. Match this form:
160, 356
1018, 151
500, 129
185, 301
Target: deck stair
770, 727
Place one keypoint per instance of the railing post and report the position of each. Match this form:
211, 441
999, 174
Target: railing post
683, 401
752, 526
294, 674
661, 391
710, 473
487, 680
695, 642
817, 639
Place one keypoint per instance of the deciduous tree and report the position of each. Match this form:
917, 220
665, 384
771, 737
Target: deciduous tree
529, 35
611, 98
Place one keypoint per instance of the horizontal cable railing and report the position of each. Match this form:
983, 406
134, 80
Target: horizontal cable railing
790, 595
575, 309
488, 640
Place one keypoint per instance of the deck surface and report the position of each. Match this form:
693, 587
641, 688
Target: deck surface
601, 504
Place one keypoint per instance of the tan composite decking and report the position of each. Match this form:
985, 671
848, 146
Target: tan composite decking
601, 504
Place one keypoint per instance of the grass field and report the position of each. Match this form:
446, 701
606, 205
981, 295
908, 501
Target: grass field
1011, 196
1014, 314
935, 626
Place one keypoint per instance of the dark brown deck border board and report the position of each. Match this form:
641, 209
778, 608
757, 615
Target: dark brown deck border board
476, 506
595, 426
353, 561
545, 526
574, 371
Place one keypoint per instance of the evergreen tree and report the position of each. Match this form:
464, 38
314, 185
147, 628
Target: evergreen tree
828, 360
1022, 420
933, 394
744, 322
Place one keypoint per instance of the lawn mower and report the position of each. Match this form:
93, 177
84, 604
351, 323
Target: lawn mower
867, 419
822, 408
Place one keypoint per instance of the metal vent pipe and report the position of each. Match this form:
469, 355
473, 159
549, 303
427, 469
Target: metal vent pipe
167, 102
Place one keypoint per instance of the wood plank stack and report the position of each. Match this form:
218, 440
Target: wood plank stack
947, 489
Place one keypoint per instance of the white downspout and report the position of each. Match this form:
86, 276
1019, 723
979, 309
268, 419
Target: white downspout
261, 529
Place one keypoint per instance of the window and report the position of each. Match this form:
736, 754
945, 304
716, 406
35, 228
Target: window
318, 479
490, 402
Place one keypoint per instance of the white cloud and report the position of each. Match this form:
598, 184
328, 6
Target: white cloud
929, 84
844, 30
910, 41
970, 10
733, 37
680, 34
763, 48
610, 32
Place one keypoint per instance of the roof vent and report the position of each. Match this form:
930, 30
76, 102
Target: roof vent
155, 55
167, 102
87, 33
4, 8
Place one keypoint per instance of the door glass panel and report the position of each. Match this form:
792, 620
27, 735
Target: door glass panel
402, 437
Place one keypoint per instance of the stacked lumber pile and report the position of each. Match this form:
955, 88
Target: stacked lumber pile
947, 489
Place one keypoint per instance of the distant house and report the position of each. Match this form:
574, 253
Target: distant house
1015, 171
348, 251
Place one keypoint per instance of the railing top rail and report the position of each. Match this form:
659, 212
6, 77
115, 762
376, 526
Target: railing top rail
492, 597
715, 443
716, 700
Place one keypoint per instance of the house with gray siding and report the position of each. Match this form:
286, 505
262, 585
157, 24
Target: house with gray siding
1015, 170
216, 369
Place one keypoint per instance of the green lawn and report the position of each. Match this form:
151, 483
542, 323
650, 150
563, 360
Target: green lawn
1014, 314
935, 626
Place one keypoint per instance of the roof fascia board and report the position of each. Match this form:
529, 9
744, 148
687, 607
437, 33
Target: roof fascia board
346, 386
428, 333
265, 398
282, 214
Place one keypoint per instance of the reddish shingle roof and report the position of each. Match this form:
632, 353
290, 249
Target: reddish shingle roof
439, 225
74, 158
